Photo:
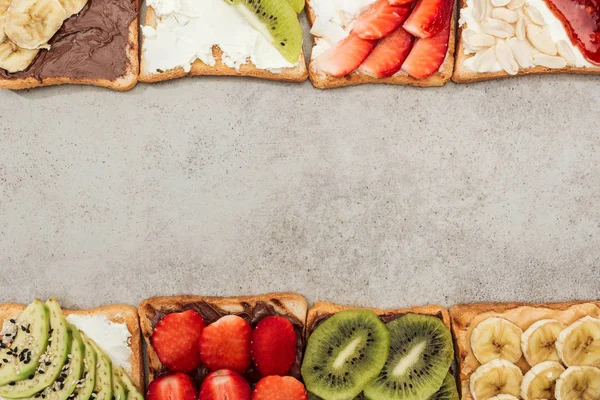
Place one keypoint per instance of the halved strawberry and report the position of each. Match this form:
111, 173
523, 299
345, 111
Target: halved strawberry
225, 384
279, 388
380, 19
175, 340
427, 55
399, 2
345, 56
225, 344
274, 346
429, 17
177, 386
389, 54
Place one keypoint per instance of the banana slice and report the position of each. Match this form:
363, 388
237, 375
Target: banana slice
578, 383
579, 343
538, 341
4, 4
496, 338
13, 58
495, 378
72, 7
504, 397
31, 23
539, 381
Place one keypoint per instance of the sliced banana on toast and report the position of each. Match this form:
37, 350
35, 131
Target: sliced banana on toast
538, 341
73, 7
13, 58
578, 383
504, 397
31, 23
539, 381
579, 343
496, 338
495, 378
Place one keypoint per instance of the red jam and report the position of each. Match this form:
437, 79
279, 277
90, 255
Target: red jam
581, 19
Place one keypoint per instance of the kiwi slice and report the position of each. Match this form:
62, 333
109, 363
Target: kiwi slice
312, 396
448, 390
277, 21
297, 5
344, 354
420, 355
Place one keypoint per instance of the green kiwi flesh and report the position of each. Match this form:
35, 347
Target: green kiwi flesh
297, 5
344, 353
448, 390
421, 352
277, 21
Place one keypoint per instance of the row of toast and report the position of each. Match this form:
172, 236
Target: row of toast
406, 42
274, 346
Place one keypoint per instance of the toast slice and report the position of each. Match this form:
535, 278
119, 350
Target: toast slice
463, 75
297, 73
466, 316
440, 78
251, 308
118, 313
122, 83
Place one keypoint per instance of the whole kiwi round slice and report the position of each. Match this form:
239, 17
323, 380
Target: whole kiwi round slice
344, 353
448, 390
277, 21
420, 355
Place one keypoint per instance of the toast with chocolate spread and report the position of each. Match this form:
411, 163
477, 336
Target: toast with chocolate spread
251, 308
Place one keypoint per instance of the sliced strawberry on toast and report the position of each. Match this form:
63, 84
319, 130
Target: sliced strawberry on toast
399, 2
427, 55
274, 346
429, 17
389, 54
380, 19
175, 340
279, 388
225, 344
176, 386
225, 384
345, 56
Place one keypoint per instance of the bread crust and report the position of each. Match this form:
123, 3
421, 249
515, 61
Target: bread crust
461, 316
118, 313
297, 73
293, 303
322, 81
121, 84
463, 75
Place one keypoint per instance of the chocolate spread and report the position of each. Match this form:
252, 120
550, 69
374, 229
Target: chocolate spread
89, 45
252, 314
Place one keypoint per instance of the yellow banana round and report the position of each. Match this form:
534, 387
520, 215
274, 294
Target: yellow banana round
539, 381
495, 378
496, 338
578, 383
538, 341
13, 58
579, 343
31, 23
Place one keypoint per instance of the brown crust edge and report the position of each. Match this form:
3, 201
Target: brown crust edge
438, 79
171, 302
462, 75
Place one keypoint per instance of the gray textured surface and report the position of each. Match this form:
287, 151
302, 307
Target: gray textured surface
386, 196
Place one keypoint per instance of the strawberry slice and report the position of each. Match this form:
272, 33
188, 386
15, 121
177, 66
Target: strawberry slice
279, 388
176, 386
429, 17
225, 384
175, 340
274, 346
389, 54
225, 344
380, 19
399, 2
427, 55
345, 56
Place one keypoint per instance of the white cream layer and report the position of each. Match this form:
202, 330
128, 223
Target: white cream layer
187, 30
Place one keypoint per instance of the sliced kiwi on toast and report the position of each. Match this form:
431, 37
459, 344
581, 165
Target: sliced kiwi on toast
421, 352
277, 21
448, 390
344, 353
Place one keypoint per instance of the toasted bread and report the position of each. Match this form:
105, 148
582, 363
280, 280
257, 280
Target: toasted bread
465, 316
464, 75
440, 78
297, 73
118, 313
290, 304
123, 83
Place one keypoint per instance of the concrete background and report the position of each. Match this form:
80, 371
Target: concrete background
384, 196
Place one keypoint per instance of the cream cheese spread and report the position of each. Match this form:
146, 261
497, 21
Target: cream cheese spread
187, 30
112, 337
554, 25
